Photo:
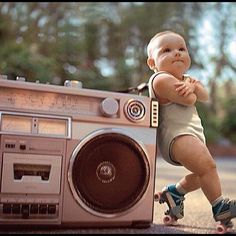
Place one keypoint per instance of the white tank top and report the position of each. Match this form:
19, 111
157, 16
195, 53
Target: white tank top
174, 120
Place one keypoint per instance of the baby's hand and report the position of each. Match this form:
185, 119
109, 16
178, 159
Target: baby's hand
184, 88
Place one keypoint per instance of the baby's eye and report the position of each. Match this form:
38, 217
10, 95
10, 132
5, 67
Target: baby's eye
182, 49
166, 50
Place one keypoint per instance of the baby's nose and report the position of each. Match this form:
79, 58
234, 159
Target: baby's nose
177, 53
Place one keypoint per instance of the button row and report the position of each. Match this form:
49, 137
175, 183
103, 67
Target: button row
26, 209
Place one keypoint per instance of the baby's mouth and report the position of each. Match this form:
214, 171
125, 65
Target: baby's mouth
178, 61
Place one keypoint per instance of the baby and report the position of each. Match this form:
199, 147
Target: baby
180, 135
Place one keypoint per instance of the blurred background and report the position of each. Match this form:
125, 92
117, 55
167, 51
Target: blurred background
103, 45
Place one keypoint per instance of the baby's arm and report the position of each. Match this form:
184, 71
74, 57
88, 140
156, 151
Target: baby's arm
164, 86
200, 91
184, 88
192, 86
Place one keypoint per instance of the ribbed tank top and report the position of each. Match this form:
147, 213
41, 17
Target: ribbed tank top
174, 120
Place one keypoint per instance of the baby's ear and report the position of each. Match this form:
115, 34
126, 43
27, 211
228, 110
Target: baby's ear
151, 63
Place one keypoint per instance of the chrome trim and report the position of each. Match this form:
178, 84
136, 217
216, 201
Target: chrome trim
70, 169
131, 116
154, 113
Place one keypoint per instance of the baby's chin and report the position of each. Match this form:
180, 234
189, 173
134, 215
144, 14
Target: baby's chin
176, 71
179, 66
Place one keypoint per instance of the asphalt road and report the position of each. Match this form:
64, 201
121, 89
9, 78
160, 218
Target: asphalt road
198, 217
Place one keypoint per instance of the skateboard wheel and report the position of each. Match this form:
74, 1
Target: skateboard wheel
157, 197
222, 229
168, 220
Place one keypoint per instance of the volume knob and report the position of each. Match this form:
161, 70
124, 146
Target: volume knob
73, 83
20, 78
109, 106
3, 76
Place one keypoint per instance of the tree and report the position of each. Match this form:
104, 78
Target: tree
103, 44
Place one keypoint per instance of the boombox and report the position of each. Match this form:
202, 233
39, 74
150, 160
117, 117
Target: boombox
72, 156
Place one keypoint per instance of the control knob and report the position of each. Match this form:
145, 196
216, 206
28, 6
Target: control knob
109, 107
73, 83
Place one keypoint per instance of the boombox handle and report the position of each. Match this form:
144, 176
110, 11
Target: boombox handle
138, 89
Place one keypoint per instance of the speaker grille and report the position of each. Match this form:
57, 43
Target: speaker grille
135, 110
110, 173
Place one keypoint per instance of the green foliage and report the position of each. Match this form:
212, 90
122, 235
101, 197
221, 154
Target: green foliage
20, 61
56, 41
211, 123
228, 127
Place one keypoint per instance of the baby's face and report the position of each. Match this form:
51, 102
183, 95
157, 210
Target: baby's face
171, 54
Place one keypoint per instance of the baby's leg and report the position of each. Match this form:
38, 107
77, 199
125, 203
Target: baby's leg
189, 183
194, 155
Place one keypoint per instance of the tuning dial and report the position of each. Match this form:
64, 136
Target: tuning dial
109, 107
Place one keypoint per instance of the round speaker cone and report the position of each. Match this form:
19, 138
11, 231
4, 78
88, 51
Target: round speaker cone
110, 173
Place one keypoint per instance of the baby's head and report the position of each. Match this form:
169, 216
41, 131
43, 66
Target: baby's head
167, 51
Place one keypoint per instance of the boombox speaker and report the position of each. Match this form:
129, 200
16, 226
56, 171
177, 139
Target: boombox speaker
76, 157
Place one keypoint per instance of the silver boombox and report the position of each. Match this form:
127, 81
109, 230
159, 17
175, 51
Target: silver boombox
72, 156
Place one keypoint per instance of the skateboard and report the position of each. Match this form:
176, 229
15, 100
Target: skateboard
224, 227
169, 218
